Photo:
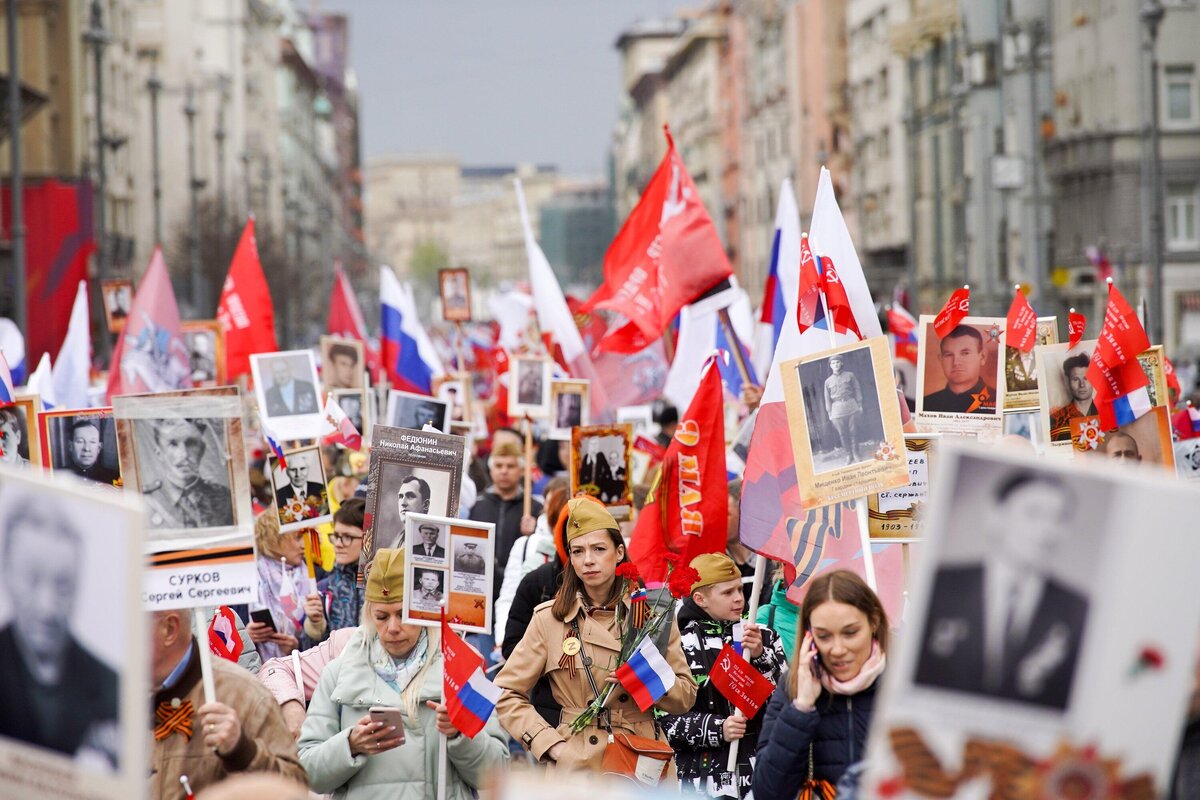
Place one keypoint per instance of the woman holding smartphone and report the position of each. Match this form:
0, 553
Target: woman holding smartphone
373, 727
817, 720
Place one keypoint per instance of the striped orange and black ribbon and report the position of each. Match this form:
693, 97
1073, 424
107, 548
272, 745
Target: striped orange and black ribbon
173, 719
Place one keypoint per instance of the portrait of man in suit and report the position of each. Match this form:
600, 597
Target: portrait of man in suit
85, 451
428, 548
298, 485
54, 692
1007, 626
962, 358
288, 395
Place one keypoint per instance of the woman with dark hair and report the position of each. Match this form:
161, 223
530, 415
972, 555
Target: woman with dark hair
575, 641
817, 720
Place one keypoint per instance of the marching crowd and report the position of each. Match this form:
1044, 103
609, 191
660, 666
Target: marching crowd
297, 707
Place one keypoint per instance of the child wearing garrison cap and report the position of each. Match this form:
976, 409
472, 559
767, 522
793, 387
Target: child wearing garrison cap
701, 737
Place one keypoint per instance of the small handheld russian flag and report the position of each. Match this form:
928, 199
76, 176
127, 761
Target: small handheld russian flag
275, 449
7, 393
739, 632
646, 675
1194, 417
470, 696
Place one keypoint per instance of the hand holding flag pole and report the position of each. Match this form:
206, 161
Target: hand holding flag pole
760, 569
200, 617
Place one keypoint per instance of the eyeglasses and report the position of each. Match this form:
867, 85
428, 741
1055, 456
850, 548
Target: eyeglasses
343, 538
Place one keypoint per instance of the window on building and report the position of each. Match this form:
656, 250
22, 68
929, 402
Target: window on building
1179, 101
1182, 202
883, 84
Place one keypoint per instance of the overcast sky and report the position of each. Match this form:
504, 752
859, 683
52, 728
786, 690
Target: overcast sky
491, 81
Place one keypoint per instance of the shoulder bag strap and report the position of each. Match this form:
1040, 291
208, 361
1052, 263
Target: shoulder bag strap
586, 660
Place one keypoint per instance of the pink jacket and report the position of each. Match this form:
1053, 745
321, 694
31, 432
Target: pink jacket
279, 676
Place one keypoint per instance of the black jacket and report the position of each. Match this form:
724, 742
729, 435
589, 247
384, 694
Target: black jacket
506, 514
701, 752
535, 588
836, 731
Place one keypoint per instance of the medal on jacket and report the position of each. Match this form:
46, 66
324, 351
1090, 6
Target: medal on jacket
570, 647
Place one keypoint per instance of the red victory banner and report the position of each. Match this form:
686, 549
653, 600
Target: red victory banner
245, 312
687, 510
1076, 325
808, 305
955, 310
739, 682
1115, 370
837, 299
666, 255
1021, 327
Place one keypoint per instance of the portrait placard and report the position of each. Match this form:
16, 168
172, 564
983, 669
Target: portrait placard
300, 488
20, 443
449, 562
455, 287
1020, 369
529, 393
71, 613
356, 403
82, 442
602, 466
287, 388
118, 300
1027, 425
1152, 364
415, 411
844, 417
897, 515
569, 406
342, 364
1146, 440
641, 417
960, 379
1064, 392
205, 343
184, 453
1036, 647
451, 391
1187, 459
410, 472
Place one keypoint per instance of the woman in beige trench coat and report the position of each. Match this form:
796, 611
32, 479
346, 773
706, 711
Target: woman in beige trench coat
594, 597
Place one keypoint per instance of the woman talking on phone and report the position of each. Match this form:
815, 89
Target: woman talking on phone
372, 728
817, 720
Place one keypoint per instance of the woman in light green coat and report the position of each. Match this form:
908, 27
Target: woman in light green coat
387, 663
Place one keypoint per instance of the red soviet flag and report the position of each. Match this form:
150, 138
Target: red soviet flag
1020, 330
837, 299
150, 355
1076, 324
1122, 337
808, 304
346, 318
666, 255
741, 684
245, 312
687, 510
955, 310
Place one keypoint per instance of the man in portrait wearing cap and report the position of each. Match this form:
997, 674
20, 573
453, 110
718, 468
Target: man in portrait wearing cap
181, 498
428, 548
242, 731
701, 737
85, 448
468, 559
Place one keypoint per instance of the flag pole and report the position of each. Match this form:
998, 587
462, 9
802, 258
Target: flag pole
760, 569
467, 380
200, 629
731, 335
443, 756
527, 502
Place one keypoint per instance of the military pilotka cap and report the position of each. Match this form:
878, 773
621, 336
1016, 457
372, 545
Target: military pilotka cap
385, 583
714, 568
587, 515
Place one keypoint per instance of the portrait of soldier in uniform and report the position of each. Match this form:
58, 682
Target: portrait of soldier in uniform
176, 493
468, 559
78, 445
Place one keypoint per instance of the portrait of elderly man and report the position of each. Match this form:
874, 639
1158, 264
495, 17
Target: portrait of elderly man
54, 693
298, 485
179, 497
962, 358
85, 450
288, 395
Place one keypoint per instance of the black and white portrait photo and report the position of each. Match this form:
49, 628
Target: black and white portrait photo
455, 285
202, 356
1008, 606
841, 402
428, 589
72, 660
342, 363
469, 555
183, 473
83, 443
118, 300
529, 392
287, 390
430, 545
602, 467
353, 402
408, 410
569, 407
14, 437
300, 489
402, 489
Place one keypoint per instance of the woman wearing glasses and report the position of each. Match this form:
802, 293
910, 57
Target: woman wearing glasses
339, 598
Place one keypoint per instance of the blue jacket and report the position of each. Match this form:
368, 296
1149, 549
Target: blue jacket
836, 730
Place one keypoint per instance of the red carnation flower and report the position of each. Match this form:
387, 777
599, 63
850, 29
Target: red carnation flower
1151, 658
628, 570
674, 559
679, 584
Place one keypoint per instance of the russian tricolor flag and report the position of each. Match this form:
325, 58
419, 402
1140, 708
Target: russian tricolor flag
408, 355
276, 449
7, 393
1194, 416
470, 697
783, 278
1129, 407
646, 675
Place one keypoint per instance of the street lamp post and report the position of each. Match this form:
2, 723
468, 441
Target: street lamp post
17, 183
155, 86
1151, 14
195, 184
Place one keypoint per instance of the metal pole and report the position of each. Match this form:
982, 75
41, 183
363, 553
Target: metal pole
219, 134
16, 194
1151, 14
1035, 158
194, 184
155, 85
97, 37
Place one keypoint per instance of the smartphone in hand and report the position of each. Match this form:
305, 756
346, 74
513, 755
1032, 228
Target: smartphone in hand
815, 665
263, 615
389, 715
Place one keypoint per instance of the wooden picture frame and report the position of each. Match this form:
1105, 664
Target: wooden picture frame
454, 286
207, 368
602, 466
